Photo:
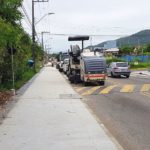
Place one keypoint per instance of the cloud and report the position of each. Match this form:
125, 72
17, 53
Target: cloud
91, 17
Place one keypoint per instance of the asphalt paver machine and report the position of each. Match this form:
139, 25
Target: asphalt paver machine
85, 65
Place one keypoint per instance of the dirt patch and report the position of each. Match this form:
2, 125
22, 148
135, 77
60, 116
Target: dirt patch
5, 97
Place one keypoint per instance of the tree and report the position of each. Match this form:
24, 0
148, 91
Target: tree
13, 35
126, 50
9, 10
147, 48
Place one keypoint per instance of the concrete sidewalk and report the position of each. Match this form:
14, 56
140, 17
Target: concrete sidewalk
51, 116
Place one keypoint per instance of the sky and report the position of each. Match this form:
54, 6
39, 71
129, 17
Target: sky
102, 19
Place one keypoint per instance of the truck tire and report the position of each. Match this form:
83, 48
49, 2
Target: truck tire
85, 83
60, 70
102, 83
112, 75
71, 78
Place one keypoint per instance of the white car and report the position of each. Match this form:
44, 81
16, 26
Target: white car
116, 69
65, 65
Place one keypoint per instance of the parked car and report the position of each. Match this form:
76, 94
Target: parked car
116, 69
65, 65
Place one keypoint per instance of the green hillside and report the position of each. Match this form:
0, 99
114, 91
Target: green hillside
140, 38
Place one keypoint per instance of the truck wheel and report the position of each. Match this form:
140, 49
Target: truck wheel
127, 76
85, 83
112, 75
60, 70
102, 83
71, 78
57, 66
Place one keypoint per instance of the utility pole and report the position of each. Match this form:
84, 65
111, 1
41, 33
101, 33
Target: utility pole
42, 40
33, 35
42, 36
33, 31
12, 67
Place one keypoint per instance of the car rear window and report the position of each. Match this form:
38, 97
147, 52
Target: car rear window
122, 64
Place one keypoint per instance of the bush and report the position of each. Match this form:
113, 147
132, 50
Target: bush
139, 65
114, 59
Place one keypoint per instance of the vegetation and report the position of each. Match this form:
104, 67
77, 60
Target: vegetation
12, 35
113, 59
140, 65
140, 38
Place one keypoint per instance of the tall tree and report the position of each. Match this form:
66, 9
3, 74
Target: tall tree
9, 10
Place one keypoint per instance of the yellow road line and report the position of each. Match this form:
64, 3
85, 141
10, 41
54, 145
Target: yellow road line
145, 88
90, 91
145, 94
108, 89
127, 88
80, 89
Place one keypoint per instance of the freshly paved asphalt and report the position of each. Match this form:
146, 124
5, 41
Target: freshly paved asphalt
125, 115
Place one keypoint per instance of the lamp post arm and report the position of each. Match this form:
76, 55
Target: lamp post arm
41, 19
44, 17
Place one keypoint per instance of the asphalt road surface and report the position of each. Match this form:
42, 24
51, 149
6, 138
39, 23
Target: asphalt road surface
123, 106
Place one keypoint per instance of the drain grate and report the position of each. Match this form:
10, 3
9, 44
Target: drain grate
69, 96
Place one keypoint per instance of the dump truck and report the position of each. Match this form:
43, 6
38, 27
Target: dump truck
85, 65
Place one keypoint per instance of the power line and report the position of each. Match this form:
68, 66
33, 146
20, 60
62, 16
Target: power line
96, 35
28, 18
26, 14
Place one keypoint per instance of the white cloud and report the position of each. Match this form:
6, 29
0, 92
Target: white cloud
91, 17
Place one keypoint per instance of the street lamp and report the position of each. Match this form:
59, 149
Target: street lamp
33, 29
42, 33
44, 17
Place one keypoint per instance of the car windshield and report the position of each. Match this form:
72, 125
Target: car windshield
122, 64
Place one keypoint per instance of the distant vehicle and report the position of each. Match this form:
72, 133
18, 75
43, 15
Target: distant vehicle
116, 69
62, 57
65, 65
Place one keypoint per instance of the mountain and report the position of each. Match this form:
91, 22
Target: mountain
140, 38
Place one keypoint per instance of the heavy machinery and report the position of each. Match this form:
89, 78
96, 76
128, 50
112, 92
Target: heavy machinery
85, 65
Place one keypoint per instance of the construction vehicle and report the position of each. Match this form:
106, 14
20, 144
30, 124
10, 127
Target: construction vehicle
85, 65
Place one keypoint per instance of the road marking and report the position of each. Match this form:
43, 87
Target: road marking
145, 88
108, 89
145, 94
90, 91
127, 88
80, 89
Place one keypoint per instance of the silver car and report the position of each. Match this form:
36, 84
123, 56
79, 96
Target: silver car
116, 69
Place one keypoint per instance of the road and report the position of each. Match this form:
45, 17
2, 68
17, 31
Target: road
123, 106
